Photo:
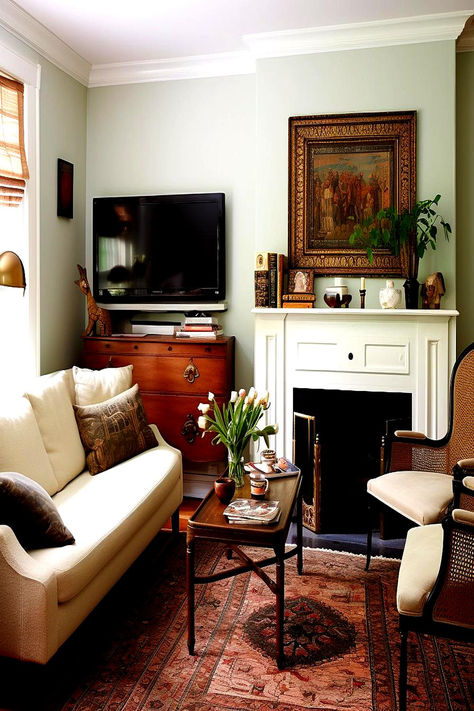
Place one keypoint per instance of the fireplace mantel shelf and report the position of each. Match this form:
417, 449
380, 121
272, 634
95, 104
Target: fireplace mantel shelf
385, 350
352, 313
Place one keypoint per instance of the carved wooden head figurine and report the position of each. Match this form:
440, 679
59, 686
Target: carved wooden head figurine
432, 291
83, 283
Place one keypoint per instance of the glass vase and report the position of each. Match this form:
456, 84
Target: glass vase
235, 469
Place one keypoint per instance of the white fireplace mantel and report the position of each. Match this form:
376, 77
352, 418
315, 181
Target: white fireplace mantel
397, 350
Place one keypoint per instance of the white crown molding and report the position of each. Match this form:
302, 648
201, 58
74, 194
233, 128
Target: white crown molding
38, 37
196, 67
360, 35
465, 41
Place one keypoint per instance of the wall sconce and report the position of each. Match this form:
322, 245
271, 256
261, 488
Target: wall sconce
12, 272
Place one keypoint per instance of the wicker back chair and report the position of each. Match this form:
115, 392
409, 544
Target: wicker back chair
436, 582
417, 481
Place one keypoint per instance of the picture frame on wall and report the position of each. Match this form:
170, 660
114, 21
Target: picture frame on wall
65, 189
343, 169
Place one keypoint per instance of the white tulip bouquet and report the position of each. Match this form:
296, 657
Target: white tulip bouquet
235, 425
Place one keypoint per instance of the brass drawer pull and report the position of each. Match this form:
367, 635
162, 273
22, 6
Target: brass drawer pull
191, 372
190, 429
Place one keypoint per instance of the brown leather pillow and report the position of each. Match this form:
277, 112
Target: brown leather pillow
114, 430
30, 511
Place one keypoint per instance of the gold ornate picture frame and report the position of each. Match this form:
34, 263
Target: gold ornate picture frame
344, 168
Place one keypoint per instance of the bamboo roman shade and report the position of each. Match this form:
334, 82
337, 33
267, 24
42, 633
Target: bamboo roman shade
13, 167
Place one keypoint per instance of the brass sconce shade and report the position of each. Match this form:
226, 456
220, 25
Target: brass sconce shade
12, 272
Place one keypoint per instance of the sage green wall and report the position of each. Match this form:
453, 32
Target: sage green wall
465, 197
417, 77
178, 137
62, 134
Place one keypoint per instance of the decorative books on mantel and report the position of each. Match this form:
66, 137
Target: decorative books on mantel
249, 511
269, 276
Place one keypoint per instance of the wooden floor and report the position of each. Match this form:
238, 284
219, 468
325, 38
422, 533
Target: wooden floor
186, 510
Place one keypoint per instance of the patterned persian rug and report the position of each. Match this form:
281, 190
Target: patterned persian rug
341, 642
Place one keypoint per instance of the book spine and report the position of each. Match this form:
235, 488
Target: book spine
280, 279
200, 320
298, 305
198, 327
272, 286
261, 288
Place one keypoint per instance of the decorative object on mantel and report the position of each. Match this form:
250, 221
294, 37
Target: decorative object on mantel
98, 316
390, 297
333, 184
235, 425
407, 234
269, 277
300, 286
432, 291
337, 296
362, 292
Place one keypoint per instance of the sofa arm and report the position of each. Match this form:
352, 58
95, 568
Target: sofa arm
28, 599
162, 441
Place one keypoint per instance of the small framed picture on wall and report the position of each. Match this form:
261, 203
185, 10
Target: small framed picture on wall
65, 188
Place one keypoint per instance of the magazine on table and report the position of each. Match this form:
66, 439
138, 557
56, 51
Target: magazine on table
252, 521
253, 510
283, 467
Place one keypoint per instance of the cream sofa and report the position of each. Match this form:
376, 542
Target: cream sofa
46, 593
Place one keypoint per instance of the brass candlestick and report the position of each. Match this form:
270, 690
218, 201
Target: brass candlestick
362, 298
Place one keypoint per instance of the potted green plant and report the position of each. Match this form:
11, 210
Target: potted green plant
408, 234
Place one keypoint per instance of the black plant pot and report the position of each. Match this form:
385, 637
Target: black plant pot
412, 288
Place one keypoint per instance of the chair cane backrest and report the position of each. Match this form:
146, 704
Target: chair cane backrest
461, 441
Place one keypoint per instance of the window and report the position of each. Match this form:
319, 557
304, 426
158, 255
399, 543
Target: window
18, 218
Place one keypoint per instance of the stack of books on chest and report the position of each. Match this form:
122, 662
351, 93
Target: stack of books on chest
252, 512
199, 327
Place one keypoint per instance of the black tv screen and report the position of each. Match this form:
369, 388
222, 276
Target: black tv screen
159, 248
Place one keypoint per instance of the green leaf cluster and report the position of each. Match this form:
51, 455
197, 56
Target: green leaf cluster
417, 228
236, 423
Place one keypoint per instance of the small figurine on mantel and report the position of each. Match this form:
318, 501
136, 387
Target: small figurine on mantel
97, 315
432, 291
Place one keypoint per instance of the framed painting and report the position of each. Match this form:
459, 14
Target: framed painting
65, 188
343, 169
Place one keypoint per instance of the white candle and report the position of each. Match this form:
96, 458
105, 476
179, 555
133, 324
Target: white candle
362, 282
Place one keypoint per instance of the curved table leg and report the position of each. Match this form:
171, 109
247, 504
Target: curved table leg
190, 591
280, 604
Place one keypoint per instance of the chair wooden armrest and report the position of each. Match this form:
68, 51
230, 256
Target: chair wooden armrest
409, 434
463, 491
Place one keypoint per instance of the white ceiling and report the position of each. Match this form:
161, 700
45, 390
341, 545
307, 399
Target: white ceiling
116, 31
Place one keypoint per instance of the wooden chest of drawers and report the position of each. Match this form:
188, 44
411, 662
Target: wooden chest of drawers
174, 377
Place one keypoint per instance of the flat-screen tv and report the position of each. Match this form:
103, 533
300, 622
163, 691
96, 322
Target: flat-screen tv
159, 248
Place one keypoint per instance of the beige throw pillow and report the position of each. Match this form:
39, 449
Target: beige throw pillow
21, 446
51, 403
93, 386
114, 430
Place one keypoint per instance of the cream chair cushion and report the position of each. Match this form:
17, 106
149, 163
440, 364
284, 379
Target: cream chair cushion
21, 447
104, 512
423, 497
94, 386
419, 568
50, 399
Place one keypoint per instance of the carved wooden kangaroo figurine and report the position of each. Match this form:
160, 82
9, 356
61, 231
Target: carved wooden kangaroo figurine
97, 315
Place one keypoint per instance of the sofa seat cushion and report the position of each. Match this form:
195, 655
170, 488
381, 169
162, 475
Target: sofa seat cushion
105, 511
419, 568
422, 497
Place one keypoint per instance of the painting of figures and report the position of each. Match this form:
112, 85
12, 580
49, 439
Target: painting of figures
344, 169
345, 188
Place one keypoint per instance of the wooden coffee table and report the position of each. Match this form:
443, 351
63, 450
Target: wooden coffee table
209, 523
